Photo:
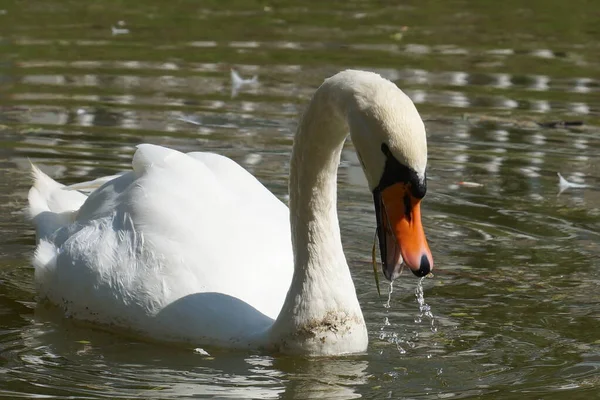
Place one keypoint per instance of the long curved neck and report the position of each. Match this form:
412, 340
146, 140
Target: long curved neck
321, 299
313, 191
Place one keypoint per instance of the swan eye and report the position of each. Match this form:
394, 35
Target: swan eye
396, 172
385, 149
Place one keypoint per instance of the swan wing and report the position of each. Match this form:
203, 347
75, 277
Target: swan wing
180, 247
90, 186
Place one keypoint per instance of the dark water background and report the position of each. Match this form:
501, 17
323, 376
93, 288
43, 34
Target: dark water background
516, 297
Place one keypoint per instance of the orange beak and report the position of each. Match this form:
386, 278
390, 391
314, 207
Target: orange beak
401, 235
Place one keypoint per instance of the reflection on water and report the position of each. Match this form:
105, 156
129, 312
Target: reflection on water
143, 370
173, 92
512, 311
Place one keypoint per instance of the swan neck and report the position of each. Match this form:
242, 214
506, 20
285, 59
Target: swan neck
316, 155
321, 314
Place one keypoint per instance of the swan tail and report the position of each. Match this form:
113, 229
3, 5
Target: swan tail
51, 206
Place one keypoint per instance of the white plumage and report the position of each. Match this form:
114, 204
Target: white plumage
192, 248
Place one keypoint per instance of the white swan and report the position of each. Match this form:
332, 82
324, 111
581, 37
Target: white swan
192, 248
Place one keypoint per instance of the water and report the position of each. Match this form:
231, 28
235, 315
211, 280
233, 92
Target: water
513, 311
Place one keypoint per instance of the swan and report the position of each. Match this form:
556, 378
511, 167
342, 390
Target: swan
193, 249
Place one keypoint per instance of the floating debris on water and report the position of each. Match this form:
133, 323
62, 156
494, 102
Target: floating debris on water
559, 124
237, 82
399, 35
119, 29
201, 351
189, 120
252, 159
564, 184
470, 184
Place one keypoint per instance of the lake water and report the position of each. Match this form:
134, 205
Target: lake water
516, 295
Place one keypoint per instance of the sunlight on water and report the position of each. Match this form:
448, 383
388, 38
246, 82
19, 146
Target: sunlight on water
516, 303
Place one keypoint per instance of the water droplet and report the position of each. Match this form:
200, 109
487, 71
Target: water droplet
387, 304
424, 308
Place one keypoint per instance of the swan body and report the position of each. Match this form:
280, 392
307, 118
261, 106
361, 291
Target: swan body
191, 248
133, 246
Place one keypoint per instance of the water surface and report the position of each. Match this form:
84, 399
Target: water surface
516, 296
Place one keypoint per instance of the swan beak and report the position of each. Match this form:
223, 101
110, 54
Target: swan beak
401, 235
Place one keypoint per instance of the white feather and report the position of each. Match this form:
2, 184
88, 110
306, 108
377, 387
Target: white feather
564, 184
237, 82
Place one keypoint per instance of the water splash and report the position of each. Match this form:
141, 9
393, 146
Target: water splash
393, 337
390, 337
407, 341
424, 308
387, 304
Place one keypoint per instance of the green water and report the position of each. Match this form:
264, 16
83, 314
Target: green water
516, 296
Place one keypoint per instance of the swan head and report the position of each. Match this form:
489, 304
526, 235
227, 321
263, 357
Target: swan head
389, 137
